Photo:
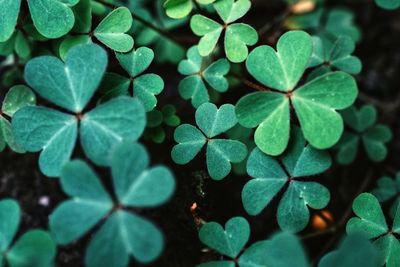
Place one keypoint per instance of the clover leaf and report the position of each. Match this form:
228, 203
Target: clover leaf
336, 52
144, 86
315, 102
9, 13
112, 30
198, 72
354, 250
388, 190
270, 175
155, 120
237, 36
135, 185
35, 248
178, 9
363, 128
70, 85
371, 222
220, 153
388, 4
16, 98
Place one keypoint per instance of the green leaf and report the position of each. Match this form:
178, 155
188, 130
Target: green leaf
374, 141
389, 249
229, 241
112, 30
136, 61
136, 185
193, 87
347, 148
315, 104
178, 9
70, 85
270, 112
83, 16
35, 248
355, 250
9, 218
190, 141
53, 132
388, 4
238, 36
70, 42
52, 18
209, 30
89, 204
215, 73
213, 121
16, 98
283, 69
122, 235
370, 220
360, 120
9, 13
120, 119
231, 10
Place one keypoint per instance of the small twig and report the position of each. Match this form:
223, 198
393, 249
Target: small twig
250, 83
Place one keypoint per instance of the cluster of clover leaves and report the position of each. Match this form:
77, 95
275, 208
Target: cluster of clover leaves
304, 105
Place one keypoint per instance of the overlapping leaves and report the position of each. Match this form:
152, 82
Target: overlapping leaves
220, 153
315, 102
271, 175
70, 86
124, 233
178, 9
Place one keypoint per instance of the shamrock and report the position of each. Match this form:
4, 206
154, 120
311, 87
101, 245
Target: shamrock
35, 248
135, 186
388, 189
178, 9
70, 86
231, 242
270, 175
198, 70
52, 18
16, 98
155, 120
388, 4
362, 127
220, 152
315, 102
336, 52
145, 86
237, 36
371, 222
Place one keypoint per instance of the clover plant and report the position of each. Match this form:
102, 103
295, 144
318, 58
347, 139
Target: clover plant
135, 185
220, 153
315, 102
237, 35
270, 176
371, 222
35, 248
199, 72
70, 86
363, 128
387, 189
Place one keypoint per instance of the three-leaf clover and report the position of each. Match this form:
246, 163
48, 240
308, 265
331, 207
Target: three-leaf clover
198, 72
70, 86
336, 53
35, 248
144, 86
16, 98
388, 189
52, 18
220, 153
237, 35
178, 9
124, 233
315, 102
371, 222
363, 128
270, 175
156, 119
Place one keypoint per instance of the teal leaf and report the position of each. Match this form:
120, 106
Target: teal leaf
53, 132
229, 241
215, 73
193, 87
209, 30
52, 18
120, 119
213, 121
112, 30
374, 140
136, 61
70, 85
388, 4
9, 13
17, 97
10, 219
71, 41
190, 141
237, 37
136, 185
90, 202
231, 10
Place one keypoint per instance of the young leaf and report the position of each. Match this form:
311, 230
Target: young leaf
220, 152
315, 102
269, 177
112, 30
237, 36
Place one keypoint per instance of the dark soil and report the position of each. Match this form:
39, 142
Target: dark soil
379, 84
